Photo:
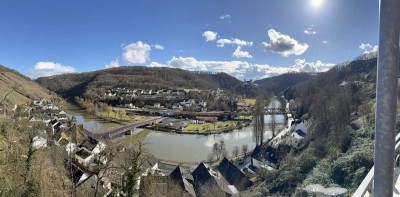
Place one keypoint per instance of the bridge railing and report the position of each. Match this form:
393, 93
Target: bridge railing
111, 133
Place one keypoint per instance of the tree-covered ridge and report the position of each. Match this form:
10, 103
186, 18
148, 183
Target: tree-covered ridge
70, 85
280, 83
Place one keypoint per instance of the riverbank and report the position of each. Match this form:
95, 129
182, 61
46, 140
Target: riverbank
203, 129
107, 114
213, 128
128, 140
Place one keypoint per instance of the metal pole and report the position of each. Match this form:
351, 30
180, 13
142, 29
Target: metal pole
386, 96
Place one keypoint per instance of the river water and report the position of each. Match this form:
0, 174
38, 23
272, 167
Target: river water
179, 147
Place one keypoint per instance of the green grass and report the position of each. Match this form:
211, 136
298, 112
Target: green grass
209, 127
246, 102
113, 116
245, 117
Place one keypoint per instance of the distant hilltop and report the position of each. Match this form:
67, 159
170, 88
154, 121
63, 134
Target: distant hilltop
140, 77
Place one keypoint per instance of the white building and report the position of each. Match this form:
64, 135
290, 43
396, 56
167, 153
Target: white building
39, 142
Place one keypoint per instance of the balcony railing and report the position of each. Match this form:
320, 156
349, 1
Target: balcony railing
366, 187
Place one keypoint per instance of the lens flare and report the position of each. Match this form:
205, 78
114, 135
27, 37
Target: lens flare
316, 3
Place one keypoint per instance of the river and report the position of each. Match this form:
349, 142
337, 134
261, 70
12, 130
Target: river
178, 147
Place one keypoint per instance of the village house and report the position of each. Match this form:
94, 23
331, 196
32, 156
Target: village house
84, 157
39, 142
37, 103
55, 125
175, 184
234, 175
50, 106
90, 182
296, 137
87, 151
130, 105
71, 148
177, 106
298, 132
62, 115
157, 105
188, 103
207, 181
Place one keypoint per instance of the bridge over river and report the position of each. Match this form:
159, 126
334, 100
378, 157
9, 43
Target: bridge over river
272, 111
121, 130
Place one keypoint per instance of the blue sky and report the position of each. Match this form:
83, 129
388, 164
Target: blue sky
247, 39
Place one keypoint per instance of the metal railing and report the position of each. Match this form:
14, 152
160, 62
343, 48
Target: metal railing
366, 186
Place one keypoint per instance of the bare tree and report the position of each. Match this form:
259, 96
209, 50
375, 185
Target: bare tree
104, 164
235, 152
136, 159
5, 96
365, 110
258, 122
210, 158
219, 150
272, 123
215, 150
245, 148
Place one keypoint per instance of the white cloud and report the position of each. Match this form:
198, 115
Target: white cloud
325, 42
310, 31
238, 53
156, 64
368, 48
136, 53
44, 69
233, 41
243, 69
210, 35
225, 17
158, 46
284, 44
113, 64
300, 65
187, 63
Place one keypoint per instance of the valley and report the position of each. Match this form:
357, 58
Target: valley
191, 127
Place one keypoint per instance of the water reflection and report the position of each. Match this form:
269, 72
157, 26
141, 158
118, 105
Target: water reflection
88, 121
194, 148
178, 147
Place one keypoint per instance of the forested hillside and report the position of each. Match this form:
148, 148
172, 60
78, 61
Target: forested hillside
70, 85
338, 150
280, 83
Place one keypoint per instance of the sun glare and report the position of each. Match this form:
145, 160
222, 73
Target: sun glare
316, 3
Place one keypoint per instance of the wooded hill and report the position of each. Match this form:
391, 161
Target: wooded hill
25, 90
140, 77
278, 84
